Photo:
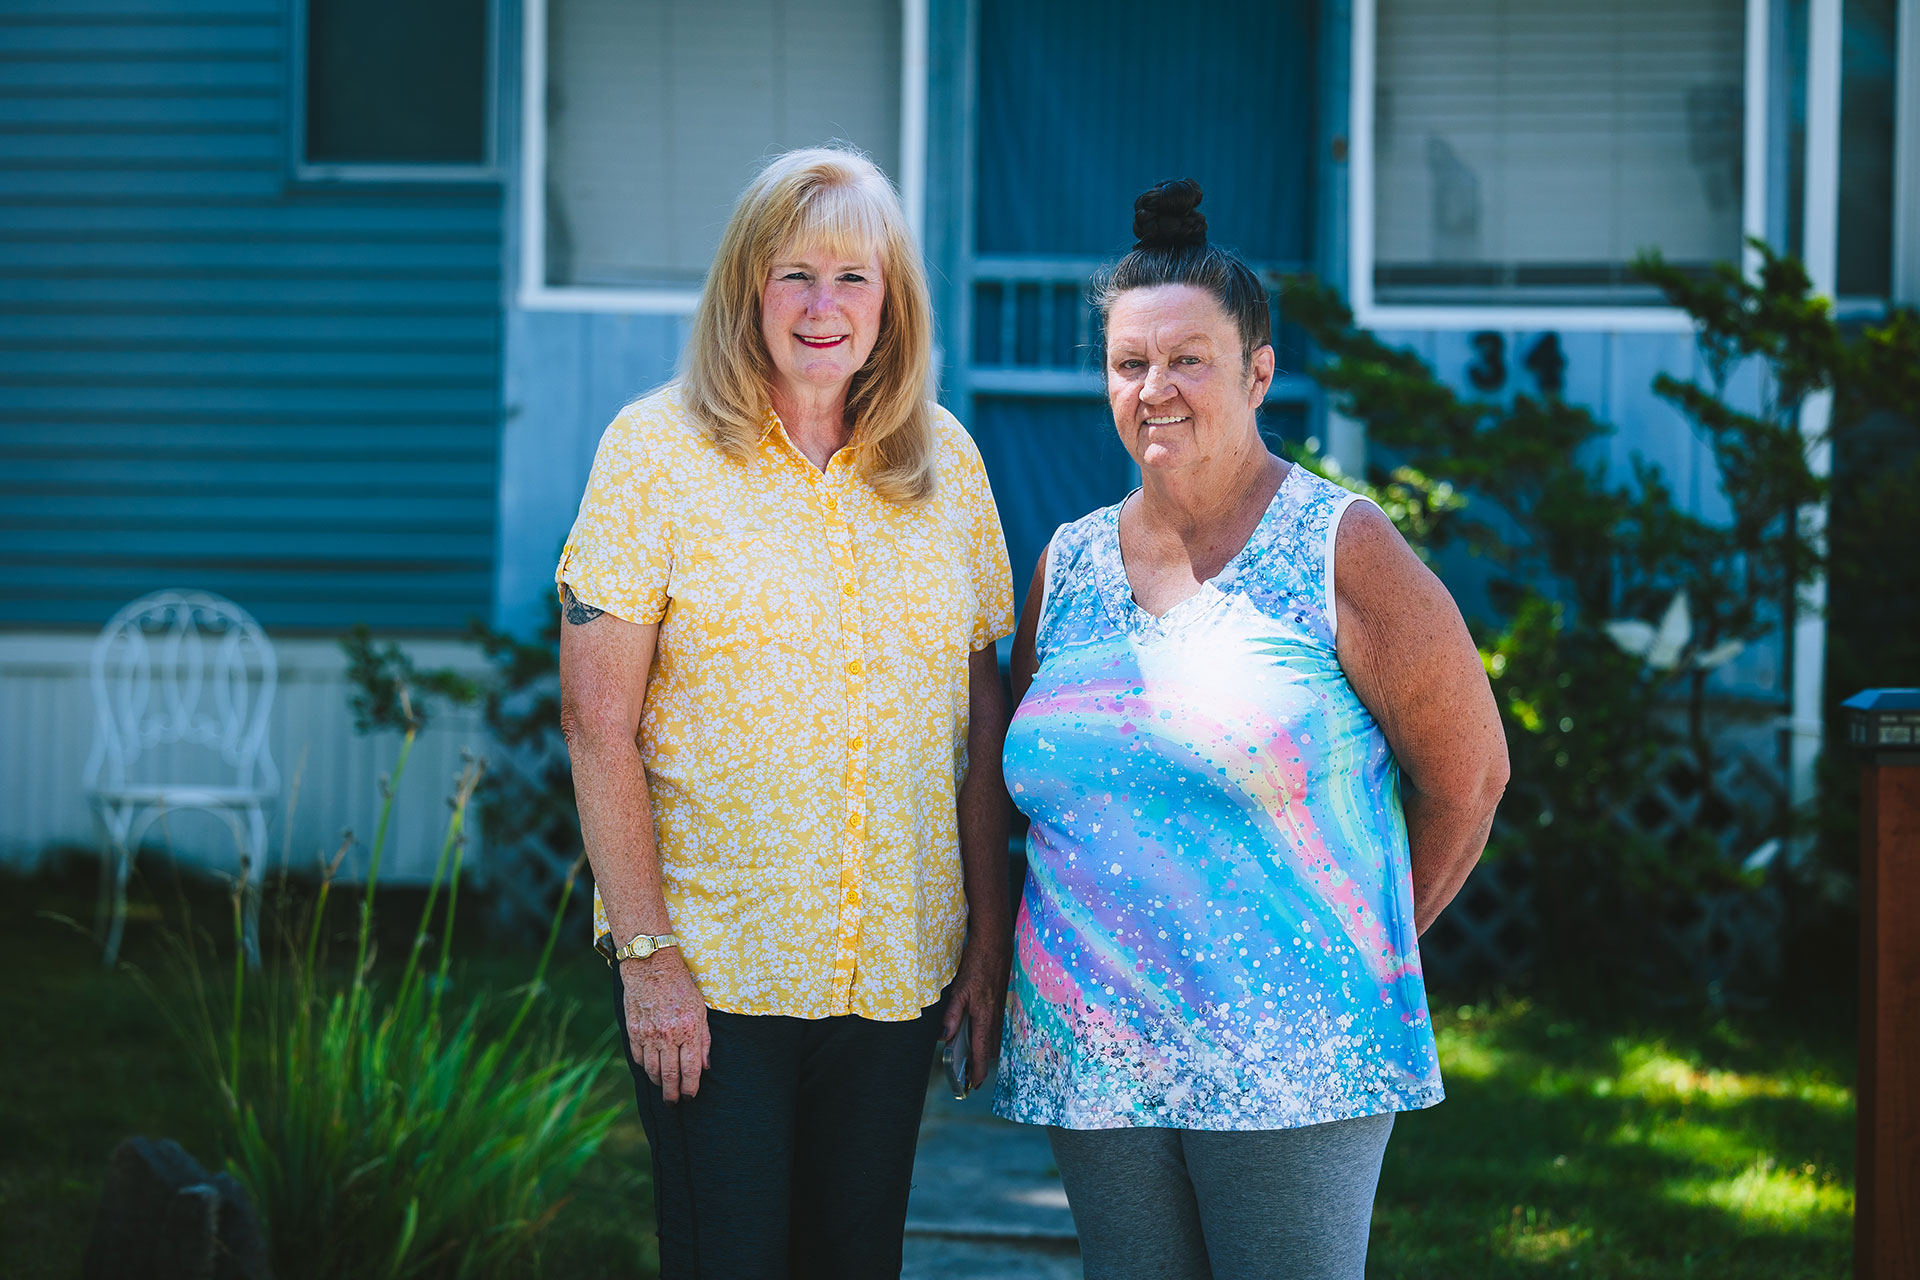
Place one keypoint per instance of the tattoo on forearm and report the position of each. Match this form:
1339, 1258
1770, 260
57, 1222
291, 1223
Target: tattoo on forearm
578, 614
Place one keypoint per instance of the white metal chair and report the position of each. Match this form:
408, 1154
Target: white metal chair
183, 684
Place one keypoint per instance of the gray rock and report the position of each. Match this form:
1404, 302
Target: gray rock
163, 1217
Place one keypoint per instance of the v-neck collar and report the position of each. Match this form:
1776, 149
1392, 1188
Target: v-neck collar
775, 435
1117, 588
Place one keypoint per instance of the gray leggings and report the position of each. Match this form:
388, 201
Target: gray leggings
1191, 1204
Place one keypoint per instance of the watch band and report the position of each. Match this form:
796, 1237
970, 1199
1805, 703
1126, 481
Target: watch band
639, 947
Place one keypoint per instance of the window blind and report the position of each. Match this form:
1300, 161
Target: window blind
659, 111
1528, 149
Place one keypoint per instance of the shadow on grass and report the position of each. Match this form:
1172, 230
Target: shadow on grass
1641, 1149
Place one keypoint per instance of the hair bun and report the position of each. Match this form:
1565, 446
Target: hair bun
1167, 216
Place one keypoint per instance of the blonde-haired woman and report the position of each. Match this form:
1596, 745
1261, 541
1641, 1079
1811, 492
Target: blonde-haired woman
781, 697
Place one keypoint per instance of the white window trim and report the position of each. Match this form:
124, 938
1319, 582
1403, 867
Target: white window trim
1618, 318
537, 295
304, 171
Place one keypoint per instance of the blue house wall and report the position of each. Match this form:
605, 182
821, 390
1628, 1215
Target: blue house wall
325, 400
322, 399
1006, 295
216, 375
567, 375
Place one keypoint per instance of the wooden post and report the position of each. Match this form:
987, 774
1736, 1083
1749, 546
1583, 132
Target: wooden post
1886, 1216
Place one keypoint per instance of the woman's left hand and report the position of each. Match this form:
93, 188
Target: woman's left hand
979, 991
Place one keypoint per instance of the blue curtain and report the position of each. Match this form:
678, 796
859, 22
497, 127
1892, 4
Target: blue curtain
1086, 103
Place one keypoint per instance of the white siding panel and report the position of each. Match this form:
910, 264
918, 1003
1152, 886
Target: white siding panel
46, 731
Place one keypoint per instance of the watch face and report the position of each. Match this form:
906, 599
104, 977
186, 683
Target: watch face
642, 946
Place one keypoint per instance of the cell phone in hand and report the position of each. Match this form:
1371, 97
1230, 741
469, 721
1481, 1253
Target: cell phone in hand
955, 1055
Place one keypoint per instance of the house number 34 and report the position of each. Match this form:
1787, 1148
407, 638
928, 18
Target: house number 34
1544, 360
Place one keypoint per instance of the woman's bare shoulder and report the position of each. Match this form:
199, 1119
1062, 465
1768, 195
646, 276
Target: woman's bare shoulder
1386, 597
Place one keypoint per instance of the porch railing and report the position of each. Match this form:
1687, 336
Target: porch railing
1032, 330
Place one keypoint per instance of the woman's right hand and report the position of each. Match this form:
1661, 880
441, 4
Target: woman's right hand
666, 1022
604, 665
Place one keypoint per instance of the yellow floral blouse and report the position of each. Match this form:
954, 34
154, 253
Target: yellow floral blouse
805, 725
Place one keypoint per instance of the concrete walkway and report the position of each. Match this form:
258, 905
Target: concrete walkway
987, 1203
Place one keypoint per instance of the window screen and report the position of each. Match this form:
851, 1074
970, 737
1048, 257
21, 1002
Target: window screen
659, 111
396, 82
1526, 150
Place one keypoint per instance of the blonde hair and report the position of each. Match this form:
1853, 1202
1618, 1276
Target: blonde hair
836, 199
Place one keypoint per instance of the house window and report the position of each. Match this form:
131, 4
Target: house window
1524, 151
1869, 51
394, 88
657, 113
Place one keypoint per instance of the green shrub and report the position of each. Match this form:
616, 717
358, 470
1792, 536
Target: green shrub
383, 1130
527, 809
1595, 695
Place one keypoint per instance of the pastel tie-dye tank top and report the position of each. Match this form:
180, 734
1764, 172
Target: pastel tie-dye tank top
1217, 929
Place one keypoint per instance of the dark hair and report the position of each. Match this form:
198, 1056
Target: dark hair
1170, 247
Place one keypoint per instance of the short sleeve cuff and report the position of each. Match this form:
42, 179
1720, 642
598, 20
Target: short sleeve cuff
604, 588
991, 627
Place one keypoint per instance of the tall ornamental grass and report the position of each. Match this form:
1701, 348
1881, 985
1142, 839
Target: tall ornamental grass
387, 1130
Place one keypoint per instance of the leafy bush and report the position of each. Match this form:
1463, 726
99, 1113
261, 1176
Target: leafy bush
1587, 686
526, 806
384, 1132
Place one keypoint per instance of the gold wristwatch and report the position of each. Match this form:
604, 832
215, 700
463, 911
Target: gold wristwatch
642, 946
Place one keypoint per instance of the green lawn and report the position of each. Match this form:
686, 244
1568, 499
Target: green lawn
1715, 1148
1626, 1146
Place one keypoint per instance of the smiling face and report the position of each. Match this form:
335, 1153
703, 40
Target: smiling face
820, 316
1180, 391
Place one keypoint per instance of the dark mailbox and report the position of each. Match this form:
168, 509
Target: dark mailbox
1884, 720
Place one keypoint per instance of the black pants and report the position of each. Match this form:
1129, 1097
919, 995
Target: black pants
795, 1157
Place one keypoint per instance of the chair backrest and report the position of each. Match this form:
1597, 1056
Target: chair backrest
182, 669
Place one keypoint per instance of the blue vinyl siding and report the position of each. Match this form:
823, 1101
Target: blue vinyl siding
211, 376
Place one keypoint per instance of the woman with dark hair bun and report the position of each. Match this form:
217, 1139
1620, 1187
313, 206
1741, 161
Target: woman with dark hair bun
1260, 755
